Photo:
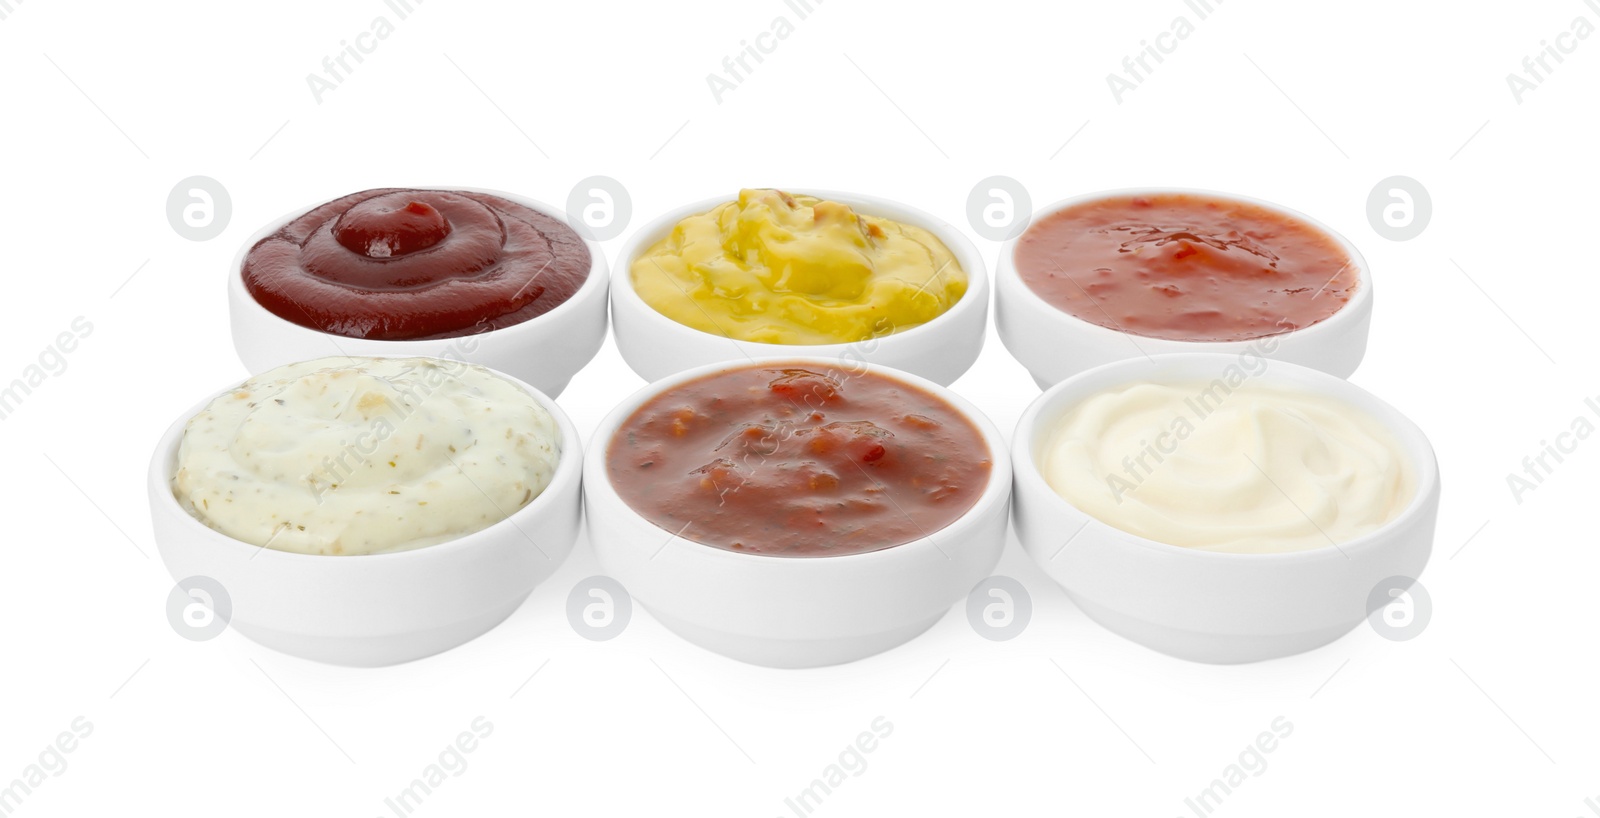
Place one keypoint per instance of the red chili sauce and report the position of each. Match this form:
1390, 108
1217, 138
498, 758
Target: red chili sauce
797, 462
397, 264
1185, 267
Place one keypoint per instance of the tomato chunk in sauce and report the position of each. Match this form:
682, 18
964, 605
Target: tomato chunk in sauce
795, 461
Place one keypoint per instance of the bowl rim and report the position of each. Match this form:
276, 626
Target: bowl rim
1410, 437
568, 469
996, 491
1006, 268
961, 247
598, 277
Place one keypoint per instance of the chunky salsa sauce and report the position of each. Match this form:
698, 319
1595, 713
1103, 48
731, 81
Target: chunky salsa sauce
1185, 267
794, 461
397, 264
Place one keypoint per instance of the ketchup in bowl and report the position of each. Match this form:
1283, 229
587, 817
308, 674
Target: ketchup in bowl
396, 264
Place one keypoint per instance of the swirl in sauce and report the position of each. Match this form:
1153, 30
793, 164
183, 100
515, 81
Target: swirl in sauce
395, 264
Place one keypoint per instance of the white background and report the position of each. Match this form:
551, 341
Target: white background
1491, 711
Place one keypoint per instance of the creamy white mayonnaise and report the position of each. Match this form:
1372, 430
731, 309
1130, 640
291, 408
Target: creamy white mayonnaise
1257, 468
365, 455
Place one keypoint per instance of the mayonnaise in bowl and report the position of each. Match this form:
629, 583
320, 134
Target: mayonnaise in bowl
1248, 468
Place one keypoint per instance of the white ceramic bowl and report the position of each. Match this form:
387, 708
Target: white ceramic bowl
656, 346
794, 611
377, 609
1054, 344
545, 351
1210, 606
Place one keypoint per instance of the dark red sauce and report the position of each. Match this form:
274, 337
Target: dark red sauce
1185, 267
396, 264
793, 461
